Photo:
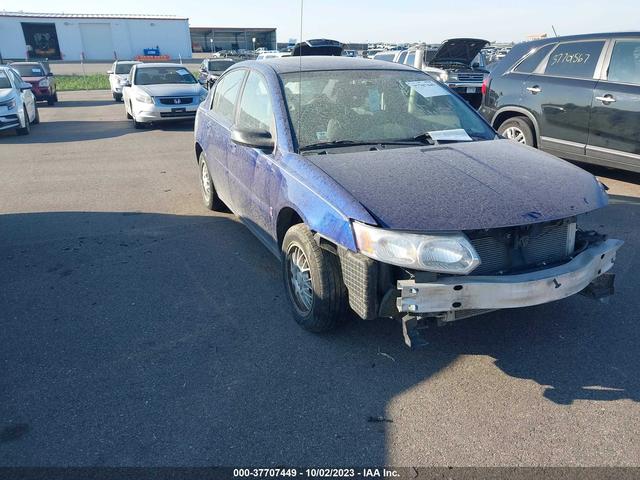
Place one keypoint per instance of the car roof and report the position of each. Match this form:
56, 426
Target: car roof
26, 63
159, 64
585, 36
319, 63
127, 61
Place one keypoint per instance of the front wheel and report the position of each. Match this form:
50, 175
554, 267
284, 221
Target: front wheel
313, 281
117, 97
27, 124
519, 130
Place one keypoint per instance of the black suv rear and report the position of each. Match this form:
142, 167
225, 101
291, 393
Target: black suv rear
576, 97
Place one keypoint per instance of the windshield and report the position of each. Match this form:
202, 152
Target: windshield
377, 106
4, 80
29, 70
163, 75
219, 65
124, 68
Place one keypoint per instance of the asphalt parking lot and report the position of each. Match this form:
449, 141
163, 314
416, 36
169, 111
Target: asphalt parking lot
140, 329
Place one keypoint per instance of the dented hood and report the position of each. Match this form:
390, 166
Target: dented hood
463, 186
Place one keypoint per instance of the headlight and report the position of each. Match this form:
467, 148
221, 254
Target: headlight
144, 98
10, 104
44, 82
443, 77
444, 253
122, 80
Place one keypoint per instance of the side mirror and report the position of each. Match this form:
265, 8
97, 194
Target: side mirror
475, 65
50, 74
252, 138
109, 72
25, 86
127, 83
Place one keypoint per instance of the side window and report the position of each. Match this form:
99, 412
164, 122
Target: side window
226, 94
575, 59
402, 56
256, 112
624, 66
530, 63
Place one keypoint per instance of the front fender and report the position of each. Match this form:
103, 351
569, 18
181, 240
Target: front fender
324, 205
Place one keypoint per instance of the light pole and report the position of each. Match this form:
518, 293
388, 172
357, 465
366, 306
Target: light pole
253, 40
211, 44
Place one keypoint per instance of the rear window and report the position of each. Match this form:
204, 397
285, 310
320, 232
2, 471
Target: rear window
575, 60
385, 57
163, 75
530, 63
29, 70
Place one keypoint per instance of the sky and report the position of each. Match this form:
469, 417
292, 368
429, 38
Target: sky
380, 21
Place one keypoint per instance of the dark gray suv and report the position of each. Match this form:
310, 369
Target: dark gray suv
576, 97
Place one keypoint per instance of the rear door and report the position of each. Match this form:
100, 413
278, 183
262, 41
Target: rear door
216, 129
559, 92
614, 137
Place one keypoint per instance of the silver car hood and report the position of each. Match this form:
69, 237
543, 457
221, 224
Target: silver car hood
172, 90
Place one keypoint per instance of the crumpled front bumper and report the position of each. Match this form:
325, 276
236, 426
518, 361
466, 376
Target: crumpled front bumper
452, 294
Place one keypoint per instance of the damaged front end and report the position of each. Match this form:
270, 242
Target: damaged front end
519, 267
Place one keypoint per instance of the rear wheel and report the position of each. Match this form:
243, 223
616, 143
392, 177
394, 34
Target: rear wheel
27, 124
313, 281
519, 130
36, 119
51, 100
117, 97
209, 196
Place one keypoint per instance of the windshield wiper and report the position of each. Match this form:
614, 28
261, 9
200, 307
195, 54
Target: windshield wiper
425, 138
356, 143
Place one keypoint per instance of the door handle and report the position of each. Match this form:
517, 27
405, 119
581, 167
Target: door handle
535, 89
607, 99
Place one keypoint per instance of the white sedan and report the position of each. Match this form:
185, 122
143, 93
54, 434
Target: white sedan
18, 107
160, 92
119, 76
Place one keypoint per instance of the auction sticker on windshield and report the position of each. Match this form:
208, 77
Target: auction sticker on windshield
427, 88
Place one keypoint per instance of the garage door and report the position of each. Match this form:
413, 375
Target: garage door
97, 43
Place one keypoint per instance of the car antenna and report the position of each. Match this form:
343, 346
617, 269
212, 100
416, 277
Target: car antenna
298, 133
554, 30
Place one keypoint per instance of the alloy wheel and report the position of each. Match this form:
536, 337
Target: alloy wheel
299, 279
515, 134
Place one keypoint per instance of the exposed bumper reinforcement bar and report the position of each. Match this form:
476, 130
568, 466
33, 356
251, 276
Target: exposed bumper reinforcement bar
508, 291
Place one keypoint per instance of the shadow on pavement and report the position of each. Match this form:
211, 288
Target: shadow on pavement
80, 103
167, 340
75, 131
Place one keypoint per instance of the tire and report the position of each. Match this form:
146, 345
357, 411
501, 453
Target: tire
519, 130
36, 119
209, 195
129, 117
55, 97
326, 304
27, 128
117, 97
51, 100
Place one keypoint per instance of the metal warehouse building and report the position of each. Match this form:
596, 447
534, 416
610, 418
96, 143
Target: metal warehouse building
97, 37
214, 39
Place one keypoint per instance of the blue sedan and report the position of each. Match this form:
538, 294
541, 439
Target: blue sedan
384, 193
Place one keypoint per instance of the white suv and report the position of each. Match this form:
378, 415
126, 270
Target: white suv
119, 76
18, 107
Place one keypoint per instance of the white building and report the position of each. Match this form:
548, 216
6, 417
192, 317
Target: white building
97, 37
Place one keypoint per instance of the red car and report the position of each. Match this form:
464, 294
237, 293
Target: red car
41, 79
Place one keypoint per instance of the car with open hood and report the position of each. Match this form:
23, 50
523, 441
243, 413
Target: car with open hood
18, 109
464, 65
160, 92
383, 192
42, 80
